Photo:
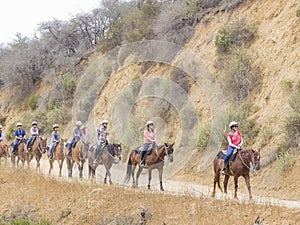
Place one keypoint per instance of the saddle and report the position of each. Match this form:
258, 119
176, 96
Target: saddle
140, 149
222, 154
32, 142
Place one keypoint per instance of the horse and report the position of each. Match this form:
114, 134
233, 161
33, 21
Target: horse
239, 167
4, 151
58, 154
79, 153
112, 153
38, 147
21, 155
154, 161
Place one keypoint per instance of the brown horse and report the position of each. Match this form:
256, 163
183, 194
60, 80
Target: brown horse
112, 153
4, 151
154, 161
79, 153
58, 154
239, 167
38, 147
21, 154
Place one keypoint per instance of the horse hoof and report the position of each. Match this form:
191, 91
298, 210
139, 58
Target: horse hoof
149, 187
105, 181
110, 182
162, 189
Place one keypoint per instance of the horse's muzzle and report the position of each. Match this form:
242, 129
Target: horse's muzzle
171, 158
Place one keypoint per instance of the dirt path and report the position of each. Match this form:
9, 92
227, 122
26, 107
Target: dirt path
171, 186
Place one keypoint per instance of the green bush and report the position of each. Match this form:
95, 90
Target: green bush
20, 222
240, 75
298, 12
236, 35
204, 134
33, 101
265, 134
286, 84
69, 83
291, 123
285, 161
10, 131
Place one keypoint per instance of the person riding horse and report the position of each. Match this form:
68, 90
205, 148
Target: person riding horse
1, 134
149, 138
77, 135
235, 141
34, 133
19, 135
102, 138
54, 140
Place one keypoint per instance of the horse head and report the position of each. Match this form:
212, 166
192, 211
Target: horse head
256, 158
169, 151
43, 145
118, 150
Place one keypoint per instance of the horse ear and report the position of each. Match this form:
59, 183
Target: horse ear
166, 144
173, 143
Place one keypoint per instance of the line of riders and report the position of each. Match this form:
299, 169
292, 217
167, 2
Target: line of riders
234, 138
79, 134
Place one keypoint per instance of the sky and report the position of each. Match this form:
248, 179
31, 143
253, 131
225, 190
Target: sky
23, 16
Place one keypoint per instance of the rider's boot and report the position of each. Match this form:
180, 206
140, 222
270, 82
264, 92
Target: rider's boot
143, 153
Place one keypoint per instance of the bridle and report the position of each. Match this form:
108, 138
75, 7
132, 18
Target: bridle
165, 153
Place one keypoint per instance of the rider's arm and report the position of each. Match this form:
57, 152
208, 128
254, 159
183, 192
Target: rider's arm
230, 143
147, 136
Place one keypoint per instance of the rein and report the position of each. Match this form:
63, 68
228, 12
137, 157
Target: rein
252, 160
162, 159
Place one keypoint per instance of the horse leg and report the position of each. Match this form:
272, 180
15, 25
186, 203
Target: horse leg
247, 179
80, 168
51, 166
225, 183
138, 174
149, 177
132, 173
69, 166
236, 180
60, 164
160, 172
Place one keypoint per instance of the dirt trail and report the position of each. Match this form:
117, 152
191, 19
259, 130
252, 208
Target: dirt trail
171, 186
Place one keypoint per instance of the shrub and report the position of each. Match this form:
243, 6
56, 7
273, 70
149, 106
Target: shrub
285, 161
240, 75
10, 131
298, 12
33, 101
204, 134
236, 35
291, 123
2, 119
286, 84
265, 134
107, 70
68, 86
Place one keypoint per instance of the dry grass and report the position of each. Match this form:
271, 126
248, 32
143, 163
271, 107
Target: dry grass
32, 196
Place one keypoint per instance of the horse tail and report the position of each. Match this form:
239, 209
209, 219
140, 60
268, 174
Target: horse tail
129, 170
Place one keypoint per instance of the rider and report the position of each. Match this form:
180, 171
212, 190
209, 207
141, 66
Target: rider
102, 138
1, 134
20, 135
34, 133
85, 137
77, 135
149, 138
54, 140
235, 141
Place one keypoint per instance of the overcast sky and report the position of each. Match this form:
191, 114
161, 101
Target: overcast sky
23, 15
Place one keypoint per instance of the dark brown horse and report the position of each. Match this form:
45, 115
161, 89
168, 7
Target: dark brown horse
112, 153
58, 154
39, 146
20, 154
79, 153
154, 161
239, 167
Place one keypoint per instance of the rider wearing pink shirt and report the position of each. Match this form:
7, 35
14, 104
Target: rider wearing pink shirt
149, 138
235, 141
